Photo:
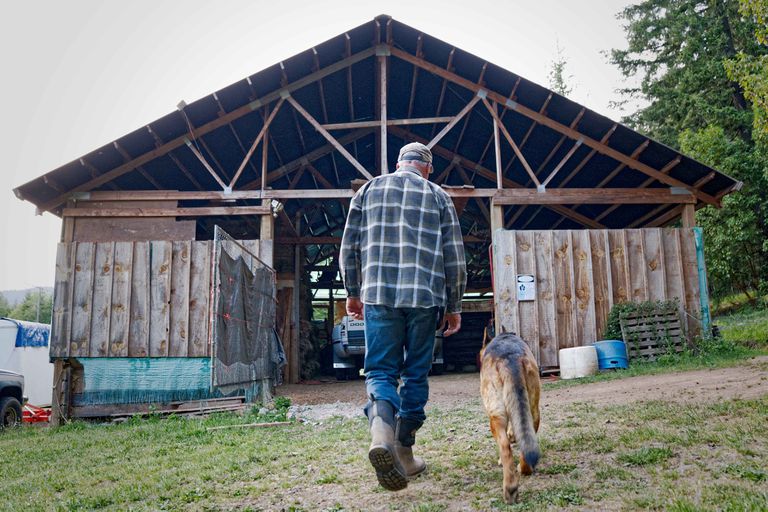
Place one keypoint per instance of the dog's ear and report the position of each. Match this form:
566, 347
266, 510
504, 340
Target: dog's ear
503, 329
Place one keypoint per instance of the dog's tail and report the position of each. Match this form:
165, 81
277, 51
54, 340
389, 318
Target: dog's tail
518, 410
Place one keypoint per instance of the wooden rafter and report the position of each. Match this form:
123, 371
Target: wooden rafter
256, 141
511, 141
666, 169
208, 127
559, 166
528, 133
186, 172
313, 155
453, 122
205, 163
552, 124
490, 175
330, 138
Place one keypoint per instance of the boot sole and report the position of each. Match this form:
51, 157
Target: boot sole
383, 461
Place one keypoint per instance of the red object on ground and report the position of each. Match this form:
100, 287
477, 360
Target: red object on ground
34, 414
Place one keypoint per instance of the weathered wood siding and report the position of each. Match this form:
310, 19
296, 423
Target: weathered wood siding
581, 274
133, 299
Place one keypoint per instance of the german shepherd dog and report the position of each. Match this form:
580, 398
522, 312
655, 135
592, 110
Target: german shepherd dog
510, 387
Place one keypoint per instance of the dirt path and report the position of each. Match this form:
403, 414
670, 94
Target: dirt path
747, 380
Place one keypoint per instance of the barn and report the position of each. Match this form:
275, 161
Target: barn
194, 248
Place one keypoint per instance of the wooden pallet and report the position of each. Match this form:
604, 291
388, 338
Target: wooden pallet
651, 334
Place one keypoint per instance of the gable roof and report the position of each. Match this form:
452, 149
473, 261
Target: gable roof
336, 82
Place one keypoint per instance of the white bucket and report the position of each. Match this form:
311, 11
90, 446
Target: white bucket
578, 362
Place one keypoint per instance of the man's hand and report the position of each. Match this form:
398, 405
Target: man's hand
453, 320
355, 308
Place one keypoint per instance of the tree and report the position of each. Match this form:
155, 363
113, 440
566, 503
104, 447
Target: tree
558, 82
5, 308
751, 72
735, 235
27, 309
679, 48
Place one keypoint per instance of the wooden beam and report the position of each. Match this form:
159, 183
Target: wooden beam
256, 141
209, 127
526, 196
205, 163
166, 212
490, 175
163, 195
562, 163
389, 122
507, 136
453, 122
554, 125
330, 138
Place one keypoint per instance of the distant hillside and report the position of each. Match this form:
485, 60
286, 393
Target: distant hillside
16, 296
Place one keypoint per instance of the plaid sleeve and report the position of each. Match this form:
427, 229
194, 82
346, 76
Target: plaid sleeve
349, 254
453, 257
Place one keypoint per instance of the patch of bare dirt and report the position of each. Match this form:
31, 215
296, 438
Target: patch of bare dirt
317, 402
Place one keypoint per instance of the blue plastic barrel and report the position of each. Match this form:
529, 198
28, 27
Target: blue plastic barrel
611, 354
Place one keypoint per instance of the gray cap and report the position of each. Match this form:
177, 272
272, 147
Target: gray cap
415, 151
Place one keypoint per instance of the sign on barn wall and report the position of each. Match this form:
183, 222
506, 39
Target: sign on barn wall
526, 287
578, 275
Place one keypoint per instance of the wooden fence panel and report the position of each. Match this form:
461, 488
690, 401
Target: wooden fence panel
583, 287
159, 298
179, 313
619, 265
601, 276
581, 275
527, 310
636, 260
199, 298
505, 275
564, 289
138, 335
654, 264
82, 298
545, 297
62, 300
135, 299
121, 300
102, 299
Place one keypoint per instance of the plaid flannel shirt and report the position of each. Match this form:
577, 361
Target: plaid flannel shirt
402, 245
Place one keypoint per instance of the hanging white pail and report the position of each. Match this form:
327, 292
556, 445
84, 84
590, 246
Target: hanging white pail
578, 362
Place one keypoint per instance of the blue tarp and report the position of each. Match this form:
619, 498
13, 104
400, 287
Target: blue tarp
31, 334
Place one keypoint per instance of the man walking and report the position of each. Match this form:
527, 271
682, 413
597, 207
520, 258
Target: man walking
402, 261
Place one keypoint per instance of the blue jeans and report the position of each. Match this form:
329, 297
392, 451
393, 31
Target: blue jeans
399, 344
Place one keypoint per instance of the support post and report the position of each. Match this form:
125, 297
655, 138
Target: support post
293, 357
383, 111
497, 148
689, 216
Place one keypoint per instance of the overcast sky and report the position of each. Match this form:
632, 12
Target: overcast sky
79, 74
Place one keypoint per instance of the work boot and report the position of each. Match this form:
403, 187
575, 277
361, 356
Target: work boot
405, 438
382, 453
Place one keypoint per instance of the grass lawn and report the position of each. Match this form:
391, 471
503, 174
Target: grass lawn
651, 454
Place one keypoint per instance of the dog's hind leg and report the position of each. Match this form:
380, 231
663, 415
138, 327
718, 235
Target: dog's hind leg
511, 475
